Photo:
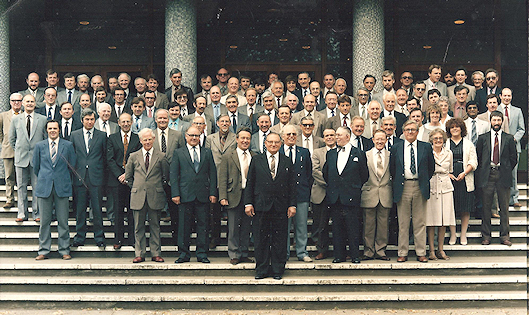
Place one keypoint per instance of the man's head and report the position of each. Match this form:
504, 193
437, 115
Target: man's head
331, 100
175, 75
289, 135
101, 94
52, 78
506, 96
472, 109
140, 84
369, 82
344, 104
112, 83
119, 95
277, 89
95, 82
124, 80
374, 109
307, 126
150, 98
433, 96
309, 102
251, 96
492, 102
244, 137
314, 87
292, 101
82, 82
340, 86
406, 79
52, 127
461, 76
161, 116
137, 106
66, 110
205, 82
419, 89
402, 97
215, 94
389, 124
389, 101
104, 111
272, 142
268, 102
461, 93
29, 103
379, 139
224, 123
245, 82
222, 76
491, 78
193, 135
304, 80
33, 80
181, 97
152, 82
449, 77
411, 104
284, 114
496, 120
88, 118
200, 104
434, 73
174, 110
232, 103
410, 129
125, 122
328, 81
69, 81
343, 136
388, 79
416, 115
358, 125
84, 101
200, 123
329, 136
263, 122
363, 95
50, 95
146, 136
233, 85
272, 76
259, 85
15, 100
290, 83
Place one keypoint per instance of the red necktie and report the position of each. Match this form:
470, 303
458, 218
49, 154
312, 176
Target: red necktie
496, 151
345, 121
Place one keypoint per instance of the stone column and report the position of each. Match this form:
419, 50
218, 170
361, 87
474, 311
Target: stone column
4, 57
368, 41
181, 41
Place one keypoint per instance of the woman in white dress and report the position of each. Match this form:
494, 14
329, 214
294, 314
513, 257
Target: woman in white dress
440, 206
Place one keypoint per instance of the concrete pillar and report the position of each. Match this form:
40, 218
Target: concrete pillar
181, 41
368, 42
4, 56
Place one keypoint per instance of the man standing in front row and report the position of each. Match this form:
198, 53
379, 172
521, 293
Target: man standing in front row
146, 172
345, 172
52, 162
497, 157
411, 164
270, 196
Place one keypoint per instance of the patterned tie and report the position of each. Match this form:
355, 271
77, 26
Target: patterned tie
496, 152
250, 109
264, 140
413, 169
164, 144
105, 127
345, 121
150, 112
196, 163
380, 167
49, 113
125, 148
147, 161
273, 166
507, 116
70, 97
53, 152
137, 123
332, 112
474, 132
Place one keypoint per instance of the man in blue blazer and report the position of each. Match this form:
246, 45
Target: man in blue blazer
345, 172
491, 87
300, 157
139, 118
90, 147
193, 186
25, 132
411, 165
52, 161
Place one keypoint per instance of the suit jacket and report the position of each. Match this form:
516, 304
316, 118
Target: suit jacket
508, 159
336, 121
441, 86
345, 188
43, 112
5, 124
111, 125
161, 100
377, 189
19, 140
92, 162
516, 124
319, 121
56, 175
39, 99
147, 184
242, 121
379, 97
114, 115
209, 111
62, 97
257, 109
317, 194
265, 193
303, 172
367, 144
401, 119
173, 140
218, 151
188, 184
481, 97
190, 97
75, 125
425, 168
368, 132
182, 125
146, 122
115, 153
452, 96
230, 179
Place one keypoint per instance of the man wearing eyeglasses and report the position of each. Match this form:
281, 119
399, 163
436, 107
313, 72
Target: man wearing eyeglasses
306, 138
222, 77
491, 81
419, 90
411, 166
406, 81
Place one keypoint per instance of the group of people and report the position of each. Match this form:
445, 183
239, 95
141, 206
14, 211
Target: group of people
377, 164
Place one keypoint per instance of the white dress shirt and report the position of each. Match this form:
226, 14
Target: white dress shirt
308, 145
269, 159
104, 126
190, 149
240, 154
343, 156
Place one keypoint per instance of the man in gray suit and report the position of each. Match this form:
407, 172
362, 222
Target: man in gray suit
516, 125
377, 199
69, 94
103, 123
233, 173
25, 132
345, 117
33, 89
200, 110
433, 81
7, 153
237, 118
139, 119
461, 77
319, 119
146, 172
251, 108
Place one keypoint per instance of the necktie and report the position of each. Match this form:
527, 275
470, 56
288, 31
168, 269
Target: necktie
413, 169
332, 112
89, 139
496, 152
363, 112
244, 168
222, 139
307, 144
273, 166
291, 155
125, 94
369, 97
49, 113
309, 115
216, 109
69, 96
264, 140
196, 163
150, 112
250, 112
147, 161
105, 127
380, 167
234, 122
28, 126
474, 132
66, 131
119, 111
359, 143
164, 144
304, 93
278, 101
125, 148
16, 113
507, 114
137, 123
389, 143
345, 121
374, 128
53, 152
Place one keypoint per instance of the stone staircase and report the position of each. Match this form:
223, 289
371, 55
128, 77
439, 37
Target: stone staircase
476, 276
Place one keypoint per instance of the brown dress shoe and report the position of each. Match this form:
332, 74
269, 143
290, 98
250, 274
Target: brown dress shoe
507, 242
157, 259
66, 257
516, 204
138, 260
41, 257
422, 259
485, 242
320, 256
9, 205
402, 258
117, 246
234, 261
37, 220
19, 220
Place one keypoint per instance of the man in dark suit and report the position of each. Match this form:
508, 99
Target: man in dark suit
359, 141
51, 110
233, 174
176, 78
119, 147
345, 171
193, 187
146, 172
411, 166
270, 196
389, 110
491, 80
90, 147
304, 88
270, 110
52, 161
497, 157
68, 122
119, 107
237, 118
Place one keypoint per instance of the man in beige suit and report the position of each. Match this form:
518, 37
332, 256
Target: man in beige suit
220, 143
345, 117
8, 153
309, 102
461, 77
146, 172
377, 199
373, 121
233, 173
321, 213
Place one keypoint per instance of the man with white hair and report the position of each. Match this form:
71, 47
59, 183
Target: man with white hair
103, 123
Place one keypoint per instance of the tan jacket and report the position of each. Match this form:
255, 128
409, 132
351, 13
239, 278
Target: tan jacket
230, 179
5, 123
377, 189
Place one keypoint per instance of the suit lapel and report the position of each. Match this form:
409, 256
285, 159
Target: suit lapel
152, 161
188, 157
202, 157
503, 140
235, 158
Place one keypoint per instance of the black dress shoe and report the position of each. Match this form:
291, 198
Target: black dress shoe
204, 260
181, 260
77, 244
278, 277
246, 260
260, 277
337, 261
101, 245
356, 260
385, 258
367, 258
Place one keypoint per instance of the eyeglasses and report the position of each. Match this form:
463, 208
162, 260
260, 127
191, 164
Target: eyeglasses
192, 135
363, 95
437, 139
150, 98
181, 97
291, 134
197, 123
307, 125
420, 89
491, 78
406, 78
222, 74
410, 130
16, 100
